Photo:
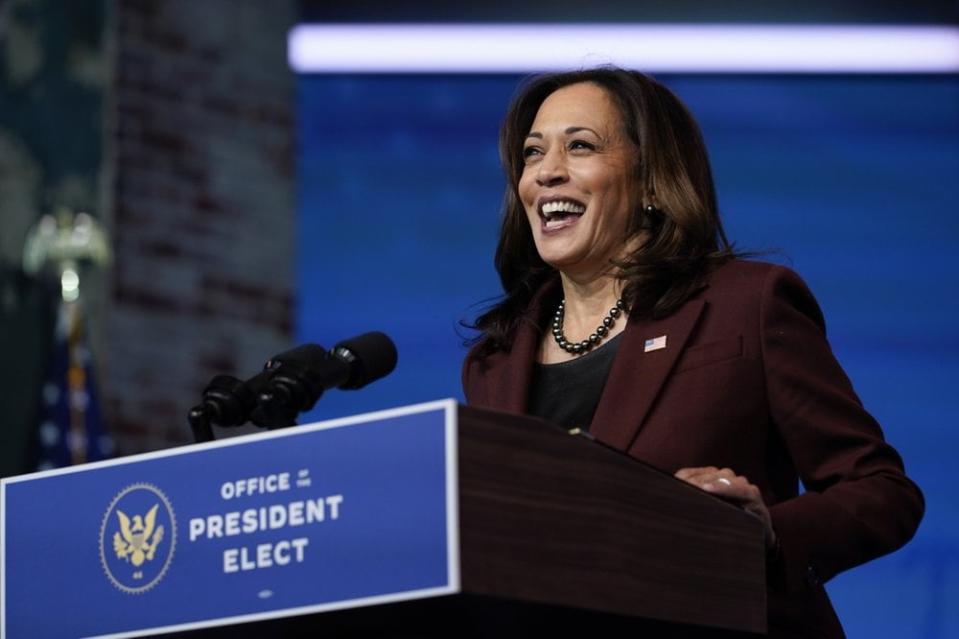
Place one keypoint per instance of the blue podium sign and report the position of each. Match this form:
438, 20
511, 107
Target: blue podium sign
339, 514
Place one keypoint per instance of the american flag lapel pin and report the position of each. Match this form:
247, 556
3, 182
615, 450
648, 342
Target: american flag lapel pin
654, 344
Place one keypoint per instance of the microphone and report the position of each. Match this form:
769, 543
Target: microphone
301, 375
226, 402
370, 356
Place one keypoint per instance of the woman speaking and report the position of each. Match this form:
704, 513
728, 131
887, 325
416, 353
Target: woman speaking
627, 312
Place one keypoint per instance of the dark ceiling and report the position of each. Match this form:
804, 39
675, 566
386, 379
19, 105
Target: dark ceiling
739, 11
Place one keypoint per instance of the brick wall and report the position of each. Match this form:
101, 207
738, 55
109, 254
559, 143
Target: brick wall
201, 138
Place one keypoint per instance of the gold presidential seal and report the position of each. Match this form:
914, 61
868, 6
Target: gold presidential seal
137, 538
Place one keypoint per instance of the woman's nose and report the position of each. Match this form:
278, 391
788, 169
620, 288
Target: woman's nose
552, 170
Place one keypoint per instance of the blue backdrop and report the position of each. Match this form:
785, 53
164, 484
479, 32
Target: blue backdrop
851, 179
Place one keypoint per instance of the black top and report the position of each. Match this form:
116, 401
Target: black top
567, 393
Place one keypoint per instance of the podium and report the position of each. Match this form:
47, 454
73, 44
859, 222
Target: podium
433, 520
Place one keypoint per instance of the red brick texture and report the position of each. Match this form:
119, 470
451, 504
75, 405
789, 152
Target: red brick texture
201, 144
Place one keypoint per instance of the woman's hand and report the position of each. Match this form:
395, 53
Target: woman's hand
724, 483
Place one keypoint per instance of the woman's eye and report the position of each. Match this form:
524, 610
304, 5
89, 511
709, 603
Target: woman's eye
581, 144
530, 151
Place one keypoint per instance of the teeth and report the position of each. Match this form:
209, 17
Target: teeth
562, 206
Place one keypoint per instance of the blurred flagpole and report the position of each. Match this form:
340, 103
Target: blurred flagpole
70, 429
71, 424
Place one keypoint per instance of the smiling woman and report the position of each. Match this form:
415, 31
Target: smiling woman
627, 313
626, 148
576, 185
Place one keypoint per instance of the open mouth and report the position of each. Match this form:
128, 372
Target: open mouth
560, 213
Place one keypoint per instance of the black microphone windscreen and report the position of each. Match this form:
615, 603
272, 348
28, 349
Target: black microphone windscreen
370, 356
308, 355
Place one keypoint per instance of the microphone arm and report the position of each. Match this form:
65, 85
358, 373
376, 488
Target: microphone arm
296, 384
226, 402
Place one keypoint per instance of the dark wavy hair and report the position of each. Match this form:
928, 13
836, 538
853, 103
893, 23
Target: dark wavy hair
677, 221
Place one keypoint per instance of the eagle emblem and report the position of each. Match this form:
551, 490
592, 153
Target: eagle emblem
134, 542
137, 542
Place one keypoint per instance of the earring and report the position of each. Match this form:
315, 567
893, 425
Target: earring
653, 217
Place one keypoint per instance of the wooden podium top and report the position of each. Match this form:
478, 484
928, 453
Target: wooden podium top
560, 519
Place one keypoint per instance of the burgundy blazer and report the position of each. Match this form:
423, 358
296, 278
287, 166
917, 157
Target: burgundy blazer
746, 381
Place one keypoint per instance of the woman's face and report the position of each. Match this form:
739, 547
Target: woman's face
577, 185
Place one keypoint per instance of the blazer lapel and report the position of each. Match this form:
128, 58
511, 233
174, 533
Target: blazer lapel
510, 390
511, 387
638, 374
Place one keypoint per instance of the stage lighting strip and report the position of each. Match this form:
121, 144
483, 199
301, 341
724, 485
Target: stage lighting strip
515, 48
